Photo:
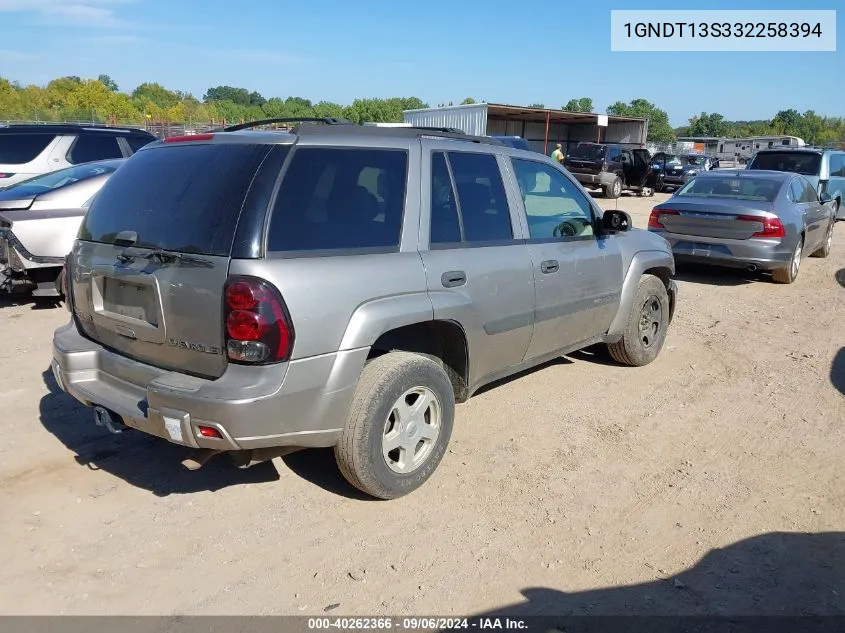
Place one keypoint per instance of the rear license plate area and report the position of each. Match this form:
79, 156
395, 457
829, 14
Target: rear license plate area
130, 300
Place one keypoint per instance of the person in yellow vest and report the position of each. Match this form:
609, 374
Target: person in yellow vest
558, 153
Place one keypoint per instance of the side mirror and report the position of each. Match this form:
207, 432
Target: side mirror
615, 221
825, 198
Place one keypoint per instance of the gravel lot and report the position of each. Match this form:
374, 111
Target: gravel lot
708, 482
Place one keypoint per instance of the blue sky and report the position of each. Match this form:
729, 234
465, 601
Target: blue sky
438, 50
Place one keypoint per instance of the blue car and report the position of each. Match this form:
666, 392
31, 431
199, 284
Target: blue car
824, 168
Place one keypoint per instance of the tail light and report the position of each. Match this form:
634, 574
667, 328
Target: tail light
772, 226
258, 328
5, 174
654, 217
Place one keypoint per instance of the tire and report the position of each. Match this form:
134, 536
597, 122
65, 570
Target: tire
614, 189
789, 273
362, 454
640, 345
59, 284
824, 250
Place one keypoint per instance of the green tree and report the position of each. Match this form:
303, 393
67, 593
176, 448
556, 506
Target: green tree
787, 122
155, 94
468, 101
713, 124
659, 129
584, 104
108, 82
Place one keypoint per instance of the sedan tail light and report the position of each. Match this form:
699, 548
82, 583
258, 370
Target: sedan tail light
654, 218
772, 226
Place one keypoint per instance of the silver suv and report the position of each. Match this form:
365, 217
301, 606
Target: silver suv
342, 286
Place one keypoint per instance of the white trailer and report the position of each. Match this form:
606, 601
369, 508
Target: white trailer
740, 150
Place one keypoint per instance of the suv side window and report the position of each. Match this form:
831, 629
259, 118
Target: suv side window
445, 220
553, 205
340, 199
88, 147
614, 154
482, 201
19, 149
837, 165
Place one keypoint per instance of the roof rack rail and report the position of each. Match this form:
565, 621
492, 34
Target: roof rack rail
447, 130
251, 124
407, 132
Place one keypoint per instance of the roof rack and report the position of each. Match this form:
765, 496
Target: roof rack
399, 132
251, 124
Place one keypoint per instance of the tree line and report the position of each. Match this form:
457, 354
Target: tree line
100, 100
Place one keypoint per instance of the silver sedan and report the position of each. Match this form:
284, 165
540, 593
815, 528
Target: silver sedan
66, 188
757, 220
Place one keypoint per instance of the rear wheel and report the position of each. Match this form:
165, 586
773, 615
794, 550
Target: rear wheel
614, 189
824, 250
399, 425
647, 326
789, 273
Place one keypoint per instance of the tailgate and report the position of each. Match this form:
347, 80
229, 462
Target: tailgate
162, 311
152, 257
583, 166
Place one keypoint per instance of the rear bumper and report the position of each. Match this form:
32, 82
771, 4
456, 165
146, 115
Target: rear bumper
764, 254
602, 178
303, 403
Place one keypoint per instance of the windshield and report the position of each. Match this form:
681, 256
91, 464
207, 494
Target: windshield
54, 180
761, 189
588, 151
805, 163
695, 160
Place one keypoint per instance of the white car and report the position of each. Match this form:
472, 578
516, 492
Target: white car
32, 150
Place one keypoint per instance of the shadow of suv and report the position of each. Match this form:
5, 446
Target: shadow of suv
342, 286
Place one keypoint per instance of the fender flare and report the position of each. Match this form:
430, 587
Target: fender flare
373, 318
640, 263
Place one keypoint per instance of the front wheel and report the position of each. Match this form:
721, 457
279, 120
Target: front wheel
647, 326
399, 425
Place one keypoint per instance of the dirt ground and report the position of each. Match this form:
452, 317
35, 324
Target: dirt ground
708, 482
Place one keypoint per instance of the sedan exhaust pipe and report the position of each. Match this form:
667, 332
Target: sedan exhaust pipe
751, 268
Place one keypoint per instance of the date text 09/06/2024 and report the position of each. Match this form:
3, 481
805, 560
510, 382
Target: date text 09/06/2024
723, 29
416, 624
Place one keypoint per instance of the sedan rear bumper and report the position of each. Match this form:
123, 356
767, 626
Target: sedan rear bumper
762, 254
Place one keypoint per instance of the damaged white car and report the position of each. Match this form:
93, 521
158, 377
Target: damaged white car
39, 219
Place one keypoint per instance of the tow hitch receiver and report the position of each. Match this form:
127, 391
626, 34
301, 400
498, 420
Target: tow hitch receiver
108, 420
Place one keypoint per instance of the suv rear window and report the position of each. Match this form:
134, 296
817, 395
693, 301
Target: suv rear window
805, 163
588, 151
183, 198
340, 199
17, 149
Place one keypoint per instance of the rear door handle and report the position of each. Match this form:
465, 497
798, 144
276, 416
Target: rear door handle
549, 266
453, 278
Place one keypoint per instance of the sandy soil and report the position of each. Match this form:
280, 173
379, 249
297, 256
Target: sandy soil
708, 482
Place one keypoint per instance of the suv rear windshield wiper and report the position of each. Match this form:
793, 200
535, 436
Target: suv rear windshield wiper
165, 257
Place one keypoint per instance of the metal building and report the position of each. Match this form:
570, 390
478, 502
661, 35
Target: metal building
541, 127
